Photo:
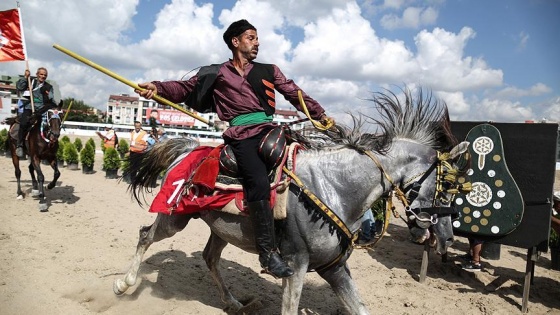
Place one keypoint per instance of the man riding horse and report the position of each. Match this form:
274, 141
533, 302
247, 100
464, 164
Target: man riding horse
241, 92
43, 100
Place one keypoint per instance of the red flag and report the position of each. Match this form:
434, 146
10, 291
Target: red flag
12, 43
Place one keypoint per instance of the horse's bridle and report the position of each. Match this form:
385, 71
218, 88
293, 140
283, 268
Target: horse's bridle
446, 183
48, 120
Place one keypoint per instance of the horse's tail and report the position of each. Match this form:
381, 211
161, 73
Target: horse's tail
151, 164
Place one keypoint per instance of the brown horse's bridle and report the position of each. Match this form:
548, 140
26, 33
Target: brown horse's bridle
54, 115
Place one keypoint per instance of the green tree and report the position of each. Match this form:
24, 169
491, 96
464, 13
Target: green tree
78, 144
60, 151
91, 142
70, 153
111, 160
87, 155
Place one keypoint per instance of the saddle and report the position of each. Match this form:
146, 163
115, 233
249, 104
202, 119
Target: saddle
14, 126
196, 182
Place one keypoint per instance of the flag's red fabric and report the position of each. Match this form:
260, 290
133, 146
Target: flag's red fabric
11, 36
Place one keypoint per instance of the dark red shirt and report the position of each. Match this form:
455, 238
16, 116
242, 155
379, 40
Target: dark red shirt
234, 96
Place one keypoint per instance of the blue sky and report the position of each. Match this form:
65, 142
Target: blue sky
488, 60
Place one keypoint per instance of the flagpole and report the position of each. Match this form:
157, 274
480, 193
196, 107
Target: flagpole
29, 86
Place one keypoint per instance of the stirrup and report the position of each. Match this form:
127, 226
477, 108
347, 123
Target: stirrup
19, 152
276, 266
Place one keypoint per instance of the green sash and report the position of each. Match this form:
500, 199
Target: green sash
250, 119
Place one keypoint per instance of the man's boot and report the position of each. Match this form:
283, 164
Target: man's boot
19, 144
263, 225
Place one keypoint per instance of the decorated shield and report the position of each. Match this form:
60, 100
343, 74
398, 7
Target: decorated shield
494, 207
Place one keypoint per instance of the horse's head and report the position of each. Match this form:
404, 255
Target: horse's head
54, 125
428, 173
430, 196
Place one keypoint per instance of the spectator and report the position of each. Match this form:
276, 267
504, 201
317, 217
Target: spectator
368, 231
161, 134
138, 145
110, 139
473, 257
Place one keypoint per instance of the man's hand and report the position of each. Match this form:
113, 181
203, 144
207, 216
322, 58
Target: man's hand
327, 121
148, 90
27, 73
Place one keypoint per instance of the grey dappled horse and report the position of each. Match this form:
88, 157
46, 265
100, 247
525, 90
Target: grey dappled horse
347, 171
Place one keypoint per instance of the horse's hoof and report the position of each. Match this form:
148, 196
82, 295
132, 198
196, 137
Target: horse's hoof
19, 197
119, 287
35, 192
43, 207
249, 307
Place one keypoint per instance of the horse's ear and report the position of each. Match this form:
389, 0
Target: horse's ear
60, 105
459, 149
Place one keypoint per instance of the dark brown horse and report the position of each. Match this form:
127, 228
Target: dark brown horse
40, 145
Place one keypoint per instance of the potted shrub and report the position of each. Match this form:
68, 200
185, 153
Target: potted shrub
65, 139
123, 148
111, 163
3, 139
71, 156
92, 143
87, 157
79, 145
102, 144
554, 244
60, 153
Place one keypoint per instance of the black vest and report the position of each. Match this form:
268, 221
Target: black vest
260, 78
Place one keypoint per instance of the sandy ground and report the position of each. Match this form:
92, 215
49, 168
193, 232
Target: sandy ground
64, 261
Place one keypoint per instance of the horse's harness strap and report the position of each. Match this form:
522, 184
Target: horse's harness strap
400, 194
326, 210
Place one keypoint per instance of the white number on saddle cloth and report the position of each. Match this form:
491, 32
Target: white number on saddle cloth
174, 198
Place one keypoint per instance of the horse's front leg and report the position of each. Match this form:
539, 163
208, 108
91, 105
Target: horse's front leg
54, 165
344, 287
43, 207
15, 161
212, 254
35, 186
292, 287
163, 227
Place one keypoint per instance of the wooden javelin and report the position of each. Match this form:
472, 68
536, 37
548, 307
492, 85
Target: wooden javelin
117, 77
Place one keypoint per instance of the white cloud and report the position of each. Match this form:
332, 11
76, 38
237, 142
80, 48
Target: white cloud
552, 110
443, 66
512, 92
523, 40
456, 103
500, 111
412, 17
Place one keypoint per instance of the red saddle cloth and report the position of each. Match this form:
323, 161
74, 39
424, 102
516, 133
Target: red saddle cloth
189, 186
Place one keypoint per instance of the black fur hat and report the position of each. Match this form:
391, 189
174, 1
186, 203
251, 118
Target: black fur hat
235, 29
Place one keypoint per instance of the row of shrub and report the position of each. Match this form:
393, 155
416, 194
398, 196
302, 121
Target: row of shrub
75, 152
3, 139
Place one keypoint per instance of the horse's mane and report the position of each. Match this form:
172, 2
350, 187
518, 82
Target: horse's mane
424, 120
